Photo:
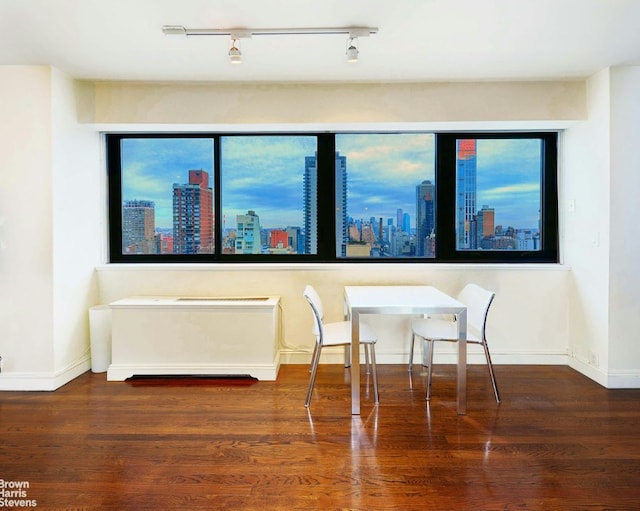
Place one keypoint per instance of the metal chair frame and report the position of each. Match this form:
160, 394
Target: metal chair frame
478, 301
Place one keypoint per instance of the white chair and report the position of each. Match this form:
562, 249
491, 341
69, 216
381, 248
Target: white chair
478, 301
338, 334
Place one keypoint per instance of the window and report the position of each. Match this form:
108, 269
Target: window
266, 188
497, 197
432, 197
386, 195
166, 196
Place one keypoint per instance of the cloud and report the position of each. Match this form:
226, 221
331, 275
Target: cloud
393, 159
383, 171
500, 192
265, 173
151, 165
515, 205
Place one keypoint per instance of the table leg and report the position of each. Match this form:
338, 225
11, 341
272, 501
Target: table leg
462, 363
355, 363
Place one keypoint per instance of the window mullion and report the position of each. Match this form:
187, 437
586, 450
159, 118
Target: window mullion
445, 197
326, 197
114, 169
217, 199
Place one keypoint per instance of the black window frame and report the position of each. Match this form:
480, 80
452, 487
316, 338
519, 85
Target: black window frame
445, 171
446, 192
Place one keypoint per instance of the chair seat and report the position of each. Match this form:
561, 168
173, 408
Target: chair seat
339, 333
441, 330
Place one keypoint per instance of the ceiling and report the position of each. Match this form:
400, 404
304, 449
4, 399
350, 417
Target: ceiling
418, 40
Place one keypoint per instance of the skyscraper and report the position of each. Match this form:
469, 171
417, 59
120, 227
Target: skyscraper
486, 224
278, 239
311, 205
193, 215
248, 234
138, 227
425, 222
466, 162
406, 222
295, 238
342, 227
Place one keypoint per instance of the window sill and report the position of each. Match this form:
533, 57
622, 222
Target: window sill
375, 267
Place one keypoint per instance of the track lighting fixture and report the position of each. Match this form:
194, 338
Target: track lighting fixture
235, 55
352, 49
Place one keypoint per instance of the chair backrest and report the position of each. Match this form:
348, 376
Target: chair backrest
318, 311
478, 300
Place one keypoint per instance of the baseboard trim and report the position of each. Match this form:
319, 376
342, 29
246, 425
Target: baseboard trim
335, 356
44, 381
623, 381
52, 381
609, 380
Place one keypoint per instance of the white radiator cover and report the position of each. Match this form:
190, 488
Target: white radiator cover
154, 335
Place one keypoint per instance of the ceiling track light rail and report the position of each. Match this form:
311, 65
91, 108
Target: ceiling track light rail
235, 55
245, 33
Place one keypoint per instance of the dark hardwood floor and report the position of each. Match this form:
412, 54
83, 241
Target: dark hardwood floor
558, 441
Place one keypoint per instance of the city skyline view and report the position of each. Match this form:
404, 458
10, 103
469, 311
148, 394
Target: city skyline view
383, 171
264, 174
150, 167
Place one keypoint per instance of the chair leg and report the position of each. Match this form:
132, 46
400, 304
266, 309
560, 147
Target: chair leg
313, 357
367, 361
429, 345
491, 373
347, 355
374, 372
413, 338
312, 378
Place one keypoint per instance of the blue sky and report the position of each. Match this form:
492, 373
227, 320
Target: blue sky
383, 171
265, 174
508, 180
150, 166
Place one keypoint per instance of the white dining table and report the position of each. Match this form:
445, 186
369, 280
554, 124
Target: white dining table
412, 300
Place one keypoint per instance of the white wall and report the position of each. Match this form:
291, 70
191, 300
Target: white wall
601, 174
78, 205
171, 104
584, 206
624, 275
26, 237
50, 234
533, 297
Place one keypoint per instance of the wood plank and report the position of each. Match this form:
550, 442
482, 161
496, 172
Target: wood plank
558, 441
